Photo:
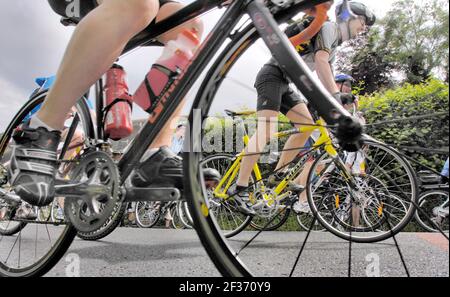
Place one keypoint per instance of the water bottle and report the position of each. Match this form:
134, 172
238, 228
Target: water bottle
165, 71
118, 103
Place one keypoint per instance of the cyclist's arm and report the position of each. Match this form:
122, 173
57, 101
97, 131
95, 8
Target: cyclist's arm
324, 71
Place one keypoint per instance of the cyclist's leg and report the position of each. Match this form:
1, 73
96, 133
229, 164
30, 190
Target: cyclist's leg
302, 179
270, 85
93, 48
297, 114
267, 123
96, 43
167, 9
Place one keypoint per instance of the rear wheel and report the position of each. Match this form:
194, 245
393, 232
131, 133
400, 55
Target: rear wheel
225, 212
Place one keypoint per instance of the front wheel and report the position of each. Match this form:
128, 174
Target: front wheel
376, 202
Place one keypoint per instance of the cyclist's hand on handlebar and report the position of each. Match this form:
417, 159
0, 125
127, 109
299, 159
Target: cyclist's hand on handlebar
345, 98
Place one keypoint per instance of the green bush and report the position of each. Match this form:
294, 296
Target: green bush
409, 101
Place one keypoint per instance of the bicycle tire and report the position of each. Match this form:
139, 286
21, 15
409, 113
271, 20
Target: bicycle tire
247, 219
183, 212
139, 222
213, 240
424, 223
379, 236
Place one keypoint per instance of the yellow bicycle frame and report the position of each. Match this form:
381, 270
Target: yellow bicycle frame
231, 174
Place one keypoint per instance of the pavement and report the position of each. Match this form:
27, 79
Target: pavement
168, 253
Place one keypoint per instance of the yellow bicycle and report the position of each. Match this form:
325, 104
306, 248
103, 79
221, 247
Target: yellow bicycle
366, 206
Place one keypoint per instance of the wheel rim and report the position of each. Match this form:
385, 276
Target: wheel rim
387, 206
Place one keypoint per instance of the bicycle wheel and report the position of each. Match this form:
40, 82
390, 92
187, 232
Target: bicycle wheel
434, 206
232, 257
379, 204
230, 220
147, 213
305, 220
33, 247
271, 223
177, 223
184, 215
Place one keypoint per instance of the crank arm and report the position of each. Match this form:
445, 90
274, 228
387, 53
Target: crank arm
134, 194
67, 189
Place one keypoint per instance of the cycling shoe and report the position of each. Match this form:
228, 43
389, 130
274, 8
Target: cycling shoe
33, 164
163, 168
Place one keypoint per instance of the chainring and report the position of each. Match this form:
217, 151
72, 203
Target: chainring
92, 211
263, 208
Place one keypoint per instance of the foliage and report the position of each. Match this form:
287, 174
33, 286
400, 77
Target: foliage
410, 44
412, 100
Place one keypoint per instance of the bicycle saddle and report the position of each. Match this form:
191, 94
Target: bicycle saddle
239, 113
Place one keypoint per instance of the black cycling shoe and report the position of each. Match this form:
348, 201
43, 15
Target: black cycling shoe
33, 164
163, 168
242, 198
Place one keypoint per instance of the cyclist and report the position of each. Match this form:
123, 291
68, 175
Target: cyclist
104, 29
276, 95
344, 83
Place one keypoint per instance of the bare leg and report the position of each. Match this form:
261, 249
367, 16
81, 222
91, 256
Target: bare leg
165, 137
302, 179
96, 43
294, 144
257, 143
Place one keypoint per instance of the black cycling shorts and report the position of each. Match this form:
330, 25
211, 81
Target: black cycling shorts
274, 92
62, 7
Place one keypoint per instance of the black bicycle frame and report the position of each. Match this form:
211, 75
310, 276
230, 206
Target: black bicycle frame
275, 40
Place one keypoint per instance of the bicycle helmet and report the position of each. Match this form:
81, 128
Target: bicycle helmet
349, 10
343, 78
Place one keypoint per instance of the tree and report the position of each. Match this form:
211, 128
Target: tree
415, 37
409, 44
365, 61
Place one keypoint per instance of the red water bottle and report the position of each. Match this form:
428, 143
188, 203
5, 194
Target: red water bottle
118, 104
169, 67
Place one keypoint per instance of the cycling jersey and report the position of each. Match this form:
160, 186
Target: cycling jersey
274, 87
328, 39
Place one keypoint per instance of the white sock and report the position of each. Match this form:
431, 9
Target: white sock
36, 122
